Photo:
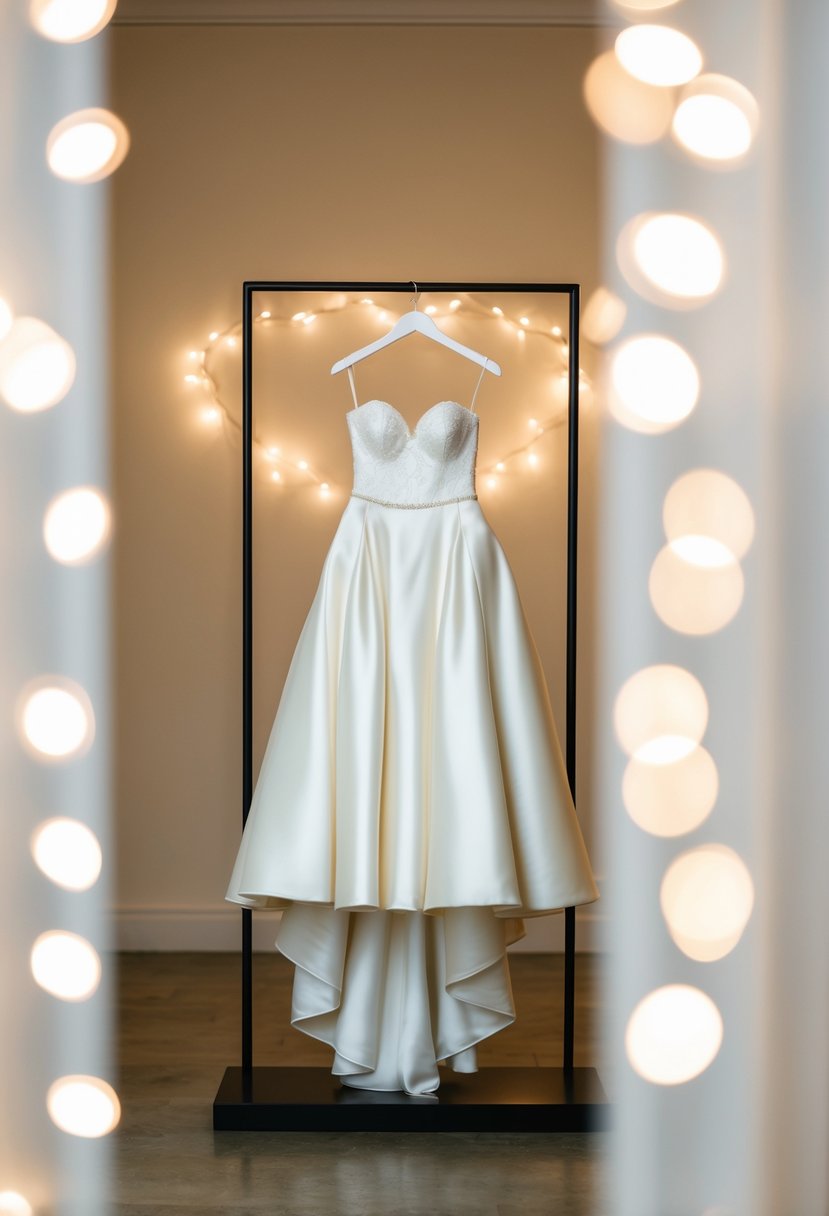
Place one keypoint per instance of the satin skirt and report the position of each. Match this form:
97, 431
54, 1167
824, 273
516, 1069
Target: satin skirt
412, 806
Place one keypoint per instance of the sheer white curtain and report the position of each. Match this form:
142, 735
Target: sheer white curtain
714, 707
55, 1098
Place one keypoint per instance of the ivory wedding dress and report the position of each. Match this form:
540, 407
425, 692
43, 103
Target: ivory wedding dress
412, 807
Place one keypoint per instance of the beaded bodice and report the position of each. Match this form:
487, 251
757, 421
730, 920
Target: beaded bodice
431, 465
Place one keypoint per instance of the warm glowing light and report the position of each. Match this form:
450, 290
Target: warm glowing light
524, 320
264, 316
706, 898
673, 1034
298, 316
70, 20
694, 598
230, 341
276, 475
37, 366
453, 304
68, 853
12, 1203
214, 335
6, 319
625, 108
83, 1106
366, 300
658, 55
76, 525
500, 466
670, 258
491, 482
716, 119
532, 459
309, 320
532, 423
556, 330
644, 5
302, 464
430, 308
56, 722
671, 799
660, 714
65, 965
211, 414
654, 383
499, 312
706, 503
702, 551
87, 146
604, 315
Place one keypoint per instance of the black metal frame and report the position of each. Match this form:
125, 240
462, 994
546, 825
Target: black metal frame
493, 1099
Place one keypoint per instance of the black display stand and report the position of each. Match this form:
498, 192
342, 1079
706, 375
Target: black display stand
493, 1099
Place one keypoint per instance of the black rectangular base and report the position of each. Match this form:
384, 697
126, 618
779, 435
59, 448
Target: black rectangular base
490, 1100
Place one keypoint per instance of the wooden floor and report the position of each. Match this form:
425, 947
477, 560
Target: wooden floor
179, 1028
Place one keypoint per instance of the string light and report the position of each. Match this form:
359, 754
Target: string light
215, 411
671, 782
83, 1106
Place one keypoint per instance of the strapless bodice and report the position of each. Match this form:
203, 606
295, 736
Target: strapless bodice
429, 466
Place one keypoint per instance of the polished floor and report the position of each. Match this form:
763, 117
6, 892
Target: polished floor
179, 1028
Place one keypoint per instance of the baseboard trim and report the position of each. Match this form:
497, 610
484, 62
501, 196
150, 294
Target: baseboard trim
217, 928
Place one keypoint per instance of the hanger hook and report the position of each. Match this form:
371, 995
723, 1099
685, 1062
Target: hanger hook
416, 294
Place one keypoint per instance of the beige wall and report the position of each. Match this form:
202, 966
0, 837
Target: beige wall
334, 153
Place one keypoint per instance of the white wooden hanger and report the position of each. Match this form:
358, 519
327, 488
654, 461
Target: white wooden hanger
412, 322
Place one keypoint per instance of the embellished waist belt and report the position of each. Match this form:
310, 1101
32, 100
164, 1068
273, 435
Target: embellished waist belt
442, 502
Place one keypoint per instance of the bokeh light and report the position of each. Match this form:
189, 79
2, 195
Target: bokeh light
658, 54
642, 6
654, 383
76, 525
37, 366
716, 120
70, 20
670, 259
673, 1034
603, 317
87, 145
55, 719
65, 965
660, 714
83, 1105
12, 1203
6, 319
707, 898
694, 598
68, 853
671, 799
709, 505
625, 108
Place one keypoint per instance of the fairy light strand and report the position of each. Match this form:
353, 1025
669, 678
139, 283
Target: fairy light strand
215, 409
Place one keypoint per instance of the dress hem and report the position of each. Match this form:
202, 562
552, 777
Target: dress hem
262, 902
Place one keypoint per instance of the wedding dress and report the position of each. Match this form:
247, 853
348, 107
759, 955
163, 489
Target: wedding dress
412, 806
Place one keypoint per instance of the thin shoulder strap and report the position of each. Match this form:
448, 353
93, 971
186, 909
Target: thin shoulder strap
478, 385
350, 371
